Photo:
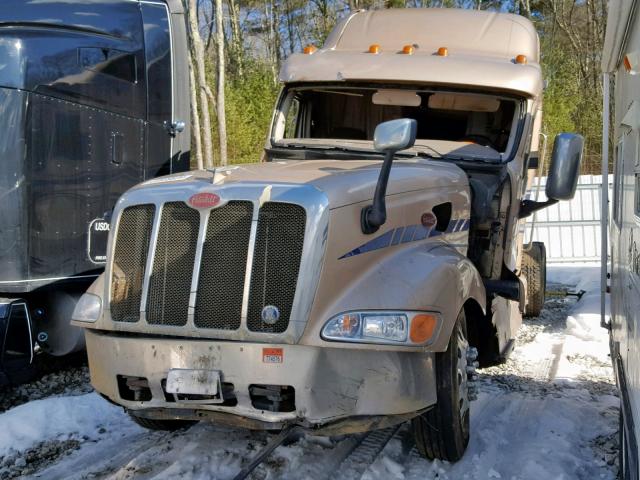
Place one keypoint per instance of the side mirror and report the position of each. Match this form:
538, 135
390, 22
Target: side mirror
389, 138
563, 173
565, 166
395, 135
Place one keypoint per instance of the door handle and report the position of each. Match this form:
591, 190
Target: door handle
173, 128
117, 148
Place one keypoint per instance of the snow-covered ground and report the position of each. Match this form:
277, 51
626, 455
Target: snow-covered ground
550, 412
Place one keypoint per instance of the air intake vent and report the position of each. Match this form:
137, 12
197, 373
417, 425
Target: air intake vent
276, 264
170, 282
222, 269
129, 262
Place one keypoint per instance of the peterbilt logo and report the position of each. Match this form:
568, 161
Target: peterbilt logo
270, 314
204, 200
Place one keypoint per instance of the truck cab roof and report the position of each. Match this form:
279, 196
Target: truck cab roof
477, 54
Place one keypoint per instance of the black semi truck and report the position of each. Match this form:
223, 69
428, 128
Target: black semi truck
93, 99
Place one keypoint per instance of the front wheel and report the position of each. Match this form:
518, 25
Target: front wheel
623, 452
534, 269
443, 432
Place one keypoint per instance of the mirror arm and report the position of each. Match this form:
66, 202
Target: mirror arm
527, 207
373, 216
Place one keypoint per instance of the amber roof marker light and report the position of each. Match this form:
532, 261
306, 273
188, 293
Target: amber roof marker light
521, 59
310, 49
374, 48
443, 52
408, 49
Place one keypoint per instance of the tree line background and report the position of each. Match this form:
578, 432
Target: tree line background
237, 48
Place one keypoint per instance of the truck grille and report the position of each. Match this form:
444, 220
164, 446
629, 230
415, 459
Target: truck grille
224, 255
275, 267
223, 268
129, 262
170, 282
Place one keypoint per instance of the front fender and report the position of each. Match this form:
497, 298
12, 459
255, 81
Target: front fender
432, 277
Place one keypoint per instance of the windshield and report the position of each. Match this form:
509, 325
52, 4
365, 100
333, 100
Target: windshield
449, 123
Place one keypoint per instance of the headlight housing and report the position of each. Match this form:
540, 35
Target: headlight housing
88, 308
409, 328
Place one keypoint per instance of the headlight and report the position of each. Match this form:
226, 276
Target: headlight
88, 308
408, 328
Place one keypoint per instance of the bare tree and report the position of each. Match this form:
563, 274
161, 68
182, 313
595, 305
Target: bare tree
236, 38
222, 122
197, 48
195, 117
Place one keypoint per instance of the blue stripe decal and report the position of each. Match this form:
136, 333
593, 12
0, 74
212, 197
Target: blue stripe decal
422, 233
410, 233
382, 241
451, 226
397, 236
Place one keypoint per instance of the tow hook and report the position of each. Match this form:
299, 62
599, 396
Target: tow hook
472, 376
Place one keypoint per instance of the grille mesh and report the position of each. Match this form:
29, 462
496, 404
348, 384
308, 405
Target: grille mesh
170, 282
274, 274
129, 262
222, 270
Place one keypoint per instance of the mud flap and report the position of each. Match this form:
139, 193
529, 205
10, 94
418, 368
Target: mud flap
16, 341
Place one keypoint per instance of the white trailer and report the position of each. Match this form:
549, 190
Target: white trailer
620, 64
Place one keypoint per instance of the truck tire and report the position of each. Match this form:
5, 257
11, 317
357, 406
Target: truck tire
623, 452
534, 269
166, 425
443, 432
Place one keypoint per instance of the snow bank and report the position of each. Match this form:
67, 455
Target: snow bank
86, 416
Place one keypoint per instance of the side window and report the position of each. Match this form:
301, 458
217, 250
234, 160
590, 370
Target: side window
617, 185
637, 195
292, 120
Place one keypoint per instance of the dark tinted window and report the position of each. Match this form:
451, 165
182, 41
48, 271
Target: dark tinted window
157, 41
108, 61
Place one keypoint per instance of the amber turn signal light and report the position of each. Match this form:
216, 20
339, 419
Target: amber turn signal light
443, 52
309, 49
375, 48
422, 327
521, 59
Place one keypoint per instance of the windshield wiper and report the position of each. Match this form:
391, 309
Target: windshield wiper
434, 153
338, 148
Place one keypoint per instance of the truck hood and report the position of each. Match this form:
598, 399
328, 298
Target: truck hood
343, 181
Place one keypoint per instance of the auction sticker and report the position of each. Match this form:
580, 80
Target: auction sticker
272, 355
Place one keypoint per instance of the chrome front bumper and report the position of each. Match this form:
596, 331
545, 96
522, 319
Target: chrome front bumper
331, 385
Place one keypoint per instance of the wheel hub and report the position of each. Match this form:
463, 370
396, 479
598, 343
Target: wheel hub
466, 374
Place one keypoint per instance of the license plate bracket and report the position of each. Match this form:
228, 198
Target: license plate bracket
200, 385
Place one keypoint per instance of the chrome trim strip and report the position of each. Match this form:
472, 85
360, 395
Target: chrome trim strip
244, 313
150, 256
36, 280
197, 263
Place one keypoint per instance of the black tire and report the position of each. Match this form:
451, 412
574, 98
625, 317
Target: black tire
534, 269
623, 458
443, 432
166, 425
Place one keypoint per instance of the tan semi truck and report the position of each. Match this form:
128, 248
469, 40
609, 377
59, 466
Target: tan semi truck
342, 284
